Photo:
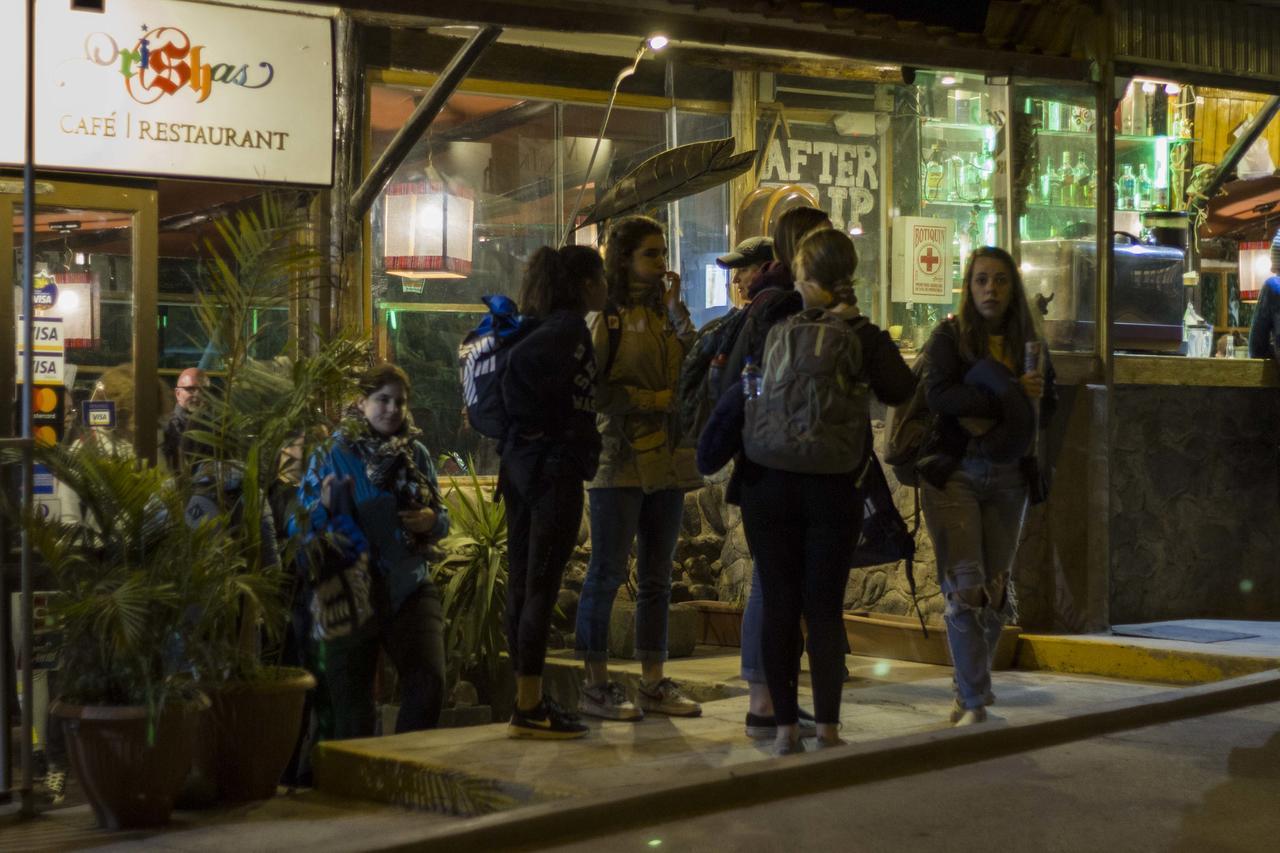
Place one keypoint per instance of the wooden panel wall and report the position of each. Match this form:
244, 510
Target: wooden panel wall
1220, 113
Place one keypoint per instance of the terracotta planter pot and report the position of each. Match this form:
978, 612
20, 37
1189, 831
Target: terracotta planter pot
252, 730
130, 784
719, 623
886, 635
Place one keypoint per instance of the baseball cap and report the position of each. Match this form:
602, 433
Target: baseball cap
753, 250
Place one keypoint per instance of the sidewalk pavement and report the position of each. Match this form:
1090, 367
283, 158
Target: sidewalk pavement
894, 714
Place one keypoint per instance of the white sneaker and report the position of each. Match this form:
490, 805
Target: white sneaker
665, 698
968, 716
608, 701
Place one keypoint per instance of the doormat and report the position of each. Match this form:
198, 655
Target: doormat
1174, 631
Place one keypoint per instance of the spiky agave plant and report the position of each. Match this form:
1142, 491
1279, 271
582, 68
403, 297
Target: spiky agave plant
473, 577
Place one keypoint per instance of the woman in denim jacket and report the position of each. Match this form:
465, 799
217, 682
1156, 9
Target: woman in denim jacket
974, 489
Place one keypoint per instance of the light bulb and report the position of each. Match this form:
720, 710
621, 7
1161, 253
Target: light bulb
1172, 88
1148, 88
657, 42
948, 80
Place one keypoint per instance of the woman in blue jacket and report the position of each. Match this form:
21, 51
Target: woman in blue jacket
397, 510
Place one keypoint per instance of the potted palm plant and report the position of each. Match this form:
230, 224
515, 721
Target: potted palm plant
260, 262
129, 578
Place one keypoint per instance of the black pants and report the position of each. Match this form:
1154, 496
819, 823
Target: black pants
544, 512
413, 637
802, 529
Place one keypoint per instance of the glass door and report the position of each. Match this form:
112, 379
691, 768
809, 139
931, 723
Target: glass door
95, 335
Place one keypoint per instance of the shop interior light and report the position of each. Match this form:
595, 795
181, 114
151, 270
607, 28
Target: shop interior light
657, 42
1255, 268
1172, 88
427, 229
948, 80
1148, 87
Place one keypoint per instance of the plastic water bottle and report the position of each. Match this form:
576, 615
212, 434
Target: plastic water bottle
715, 371
752, 381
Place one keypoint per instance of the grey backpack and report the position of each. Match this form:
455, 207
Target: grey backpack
813, 412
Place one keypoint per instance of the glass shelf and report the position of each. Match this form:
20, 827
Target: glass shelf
941, 202
1089, 134
938, 124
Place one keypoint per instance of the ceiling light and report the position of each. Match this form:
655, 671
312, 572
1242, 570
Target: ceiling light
657, 42
1172, 88
948, 80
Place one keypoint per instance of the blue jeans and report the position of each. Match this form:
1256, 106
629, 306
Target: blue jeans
752, 629
975, 523
619, 517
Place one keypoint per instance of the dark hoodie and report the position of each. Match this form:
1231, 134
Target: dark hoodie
774, 275
549, 395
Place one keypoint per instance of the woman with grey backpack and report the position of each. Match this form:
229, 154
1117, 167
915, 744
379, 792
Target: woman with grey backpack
806, 433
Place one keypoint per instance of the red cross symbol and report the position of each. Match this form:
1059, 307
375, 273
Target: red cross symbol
929, 260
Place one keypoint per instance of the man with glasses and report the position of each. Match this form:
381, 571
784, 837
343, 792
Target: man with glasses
189, 395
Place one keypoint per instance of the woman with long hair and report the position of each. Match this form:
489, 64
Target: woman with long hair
637, 495
773, 299
986, 371
802, 527
551, 447
388, 485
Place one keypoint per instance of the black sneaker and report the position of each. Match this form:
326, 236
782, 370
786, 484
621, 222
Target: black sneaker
548, 721
762, 728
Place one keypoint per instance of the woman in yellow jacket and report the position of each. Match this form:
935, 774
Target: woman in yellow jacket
638, 492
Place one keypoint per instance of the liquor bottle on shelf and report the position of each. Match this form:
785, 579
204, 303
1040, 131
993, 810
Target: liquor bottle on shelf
1126, 187
1055, 185
1084, 180
1068, 181
1142, 201
934, 173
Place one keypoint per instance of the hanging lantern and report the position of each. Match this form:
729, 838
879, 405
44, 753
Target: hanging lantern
1255, 268
427, 229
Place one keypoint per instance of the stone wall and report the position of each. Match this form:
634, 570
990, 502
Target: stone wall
1196, 503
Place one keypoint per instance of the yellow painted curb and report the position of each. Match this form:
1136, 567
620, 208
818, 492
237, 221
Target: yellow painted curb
1111, 659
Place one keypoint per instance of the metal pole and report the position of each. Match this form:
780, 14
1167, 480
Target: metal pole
28, 477
459, 67
595, 149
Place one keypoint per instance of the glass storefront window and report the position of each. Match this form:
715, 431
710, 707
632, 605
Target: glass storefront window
517, 164
1057, 208
948, 133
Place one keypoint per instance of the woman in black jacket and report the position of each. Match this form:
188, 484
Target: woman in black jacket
986, 374
551, 447
802, 527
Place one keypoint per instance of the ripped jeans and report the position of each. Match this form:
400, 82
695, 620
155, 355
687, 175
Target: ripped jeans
975, 523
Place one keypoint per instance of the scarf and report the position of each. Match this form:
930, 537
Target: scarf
388, 460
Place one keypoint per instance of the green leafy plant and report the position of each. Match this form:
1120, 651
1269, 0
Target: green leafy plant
473, 577
135, 584
261, 263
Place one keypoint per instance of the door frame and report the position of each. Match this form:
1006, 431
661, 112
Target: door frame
142, 207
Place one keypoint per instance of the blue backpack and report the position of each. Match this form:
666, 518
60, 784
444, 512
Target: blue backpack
482, 362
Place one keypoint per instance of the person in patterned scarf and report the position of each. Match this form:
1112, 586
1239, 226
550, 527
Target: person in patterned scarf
377, 460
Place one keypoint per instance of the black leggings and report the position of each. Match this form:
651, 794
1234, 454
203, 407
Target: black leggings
413, 637
802, 529
544, 513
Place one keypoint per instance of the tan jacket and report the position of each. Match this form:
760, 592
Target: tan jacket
639, 440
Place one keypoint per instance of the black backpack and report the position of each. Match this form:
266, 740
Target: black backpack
701, 384
908, 427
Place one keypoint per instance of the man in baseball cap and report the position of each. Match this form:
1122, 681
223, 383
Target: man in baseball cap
746, 261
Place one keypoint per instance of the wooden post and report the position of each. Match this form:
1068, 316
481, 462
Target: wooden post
742, 126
